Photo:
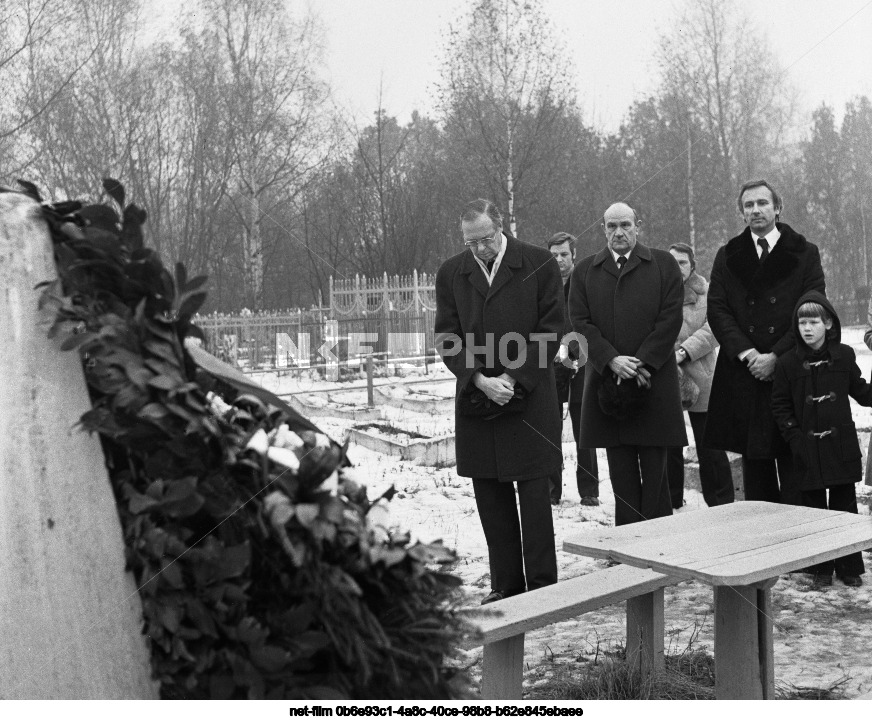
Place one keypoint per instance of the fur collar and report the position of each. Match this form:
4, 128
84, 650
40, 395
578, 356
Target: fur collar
742, 261
694, 287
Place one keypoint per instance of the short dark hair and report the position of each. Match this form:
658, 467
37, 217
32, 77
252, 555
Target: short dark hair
480, 206
561, 238
776, 198
814, 310
687, 250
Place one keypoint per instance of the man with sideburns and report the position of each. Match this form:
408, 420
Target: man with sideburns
757, 278
499, 318
569, 371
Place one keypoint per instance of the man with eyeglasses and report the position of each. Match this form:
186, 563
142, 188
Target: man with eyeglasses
627, 302
499, 318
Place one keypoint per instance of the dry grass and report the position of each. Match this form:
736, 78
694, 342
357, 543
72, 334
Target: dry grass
689, 675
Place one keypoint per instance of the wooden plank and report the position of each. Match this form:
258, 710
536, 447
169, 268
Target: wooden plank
502, 674
748, 544
664, 537
757, 555
710, 542
562, 600
645, 631
776, 560
666, 528
737, 658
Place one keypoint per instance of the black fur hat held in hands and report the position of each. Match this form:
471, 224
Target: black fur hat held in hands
621, 399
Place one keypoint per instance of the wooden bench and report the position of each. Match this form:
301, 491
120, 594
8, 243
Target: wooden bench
504, 623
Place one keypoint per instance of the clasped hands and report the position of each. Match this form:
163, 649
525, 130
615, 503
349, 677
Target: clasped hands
761, 365
499, 389
626, 367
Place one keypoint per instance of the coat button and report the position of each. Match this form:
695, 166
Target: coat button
771, 329
751, 329
750, 301
772, 299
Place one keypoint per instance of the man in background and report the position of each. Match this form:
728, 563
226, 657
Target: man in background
569, 374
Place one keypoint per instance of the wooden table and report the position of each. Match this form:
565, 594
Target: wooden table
740, 549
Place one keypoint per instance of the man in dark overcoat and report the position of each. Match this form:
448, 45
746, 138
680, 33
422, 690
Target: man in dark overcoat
756, 280
499, 318
627, 302
569, 369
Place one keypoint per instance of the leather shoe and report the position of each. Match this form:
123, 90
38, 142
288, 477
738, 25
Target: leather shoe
498, 596
853, 581
589, 501
555, 501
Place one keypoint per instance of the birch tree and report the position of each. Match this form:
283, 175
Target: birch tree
272, 100
504, 87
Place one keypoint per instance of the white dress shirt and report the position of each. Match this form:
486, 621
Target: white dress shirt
496, 266
772, 238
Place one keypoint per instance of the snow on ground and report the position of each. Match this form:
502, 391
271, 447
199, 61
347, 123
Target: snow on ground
820, 636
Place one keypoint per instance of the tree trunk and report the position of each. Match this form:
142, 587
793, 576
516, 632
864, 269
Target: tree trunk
254, 255
865, 247
510, 186
690, 216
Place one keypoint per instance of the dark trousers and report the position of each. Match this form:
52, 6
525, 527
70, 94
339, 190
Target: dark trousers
761, 480
842, 498
714, 469
586, 468
522, 554
639, 482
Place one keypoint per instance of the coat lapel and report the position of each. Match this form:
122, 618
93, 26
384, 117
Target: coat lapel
510, 263
604, 258
741, 257
472, 270
640, 253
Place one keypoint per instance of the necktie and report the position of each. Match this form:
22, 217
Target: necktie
490, 265
764, 248
621, 260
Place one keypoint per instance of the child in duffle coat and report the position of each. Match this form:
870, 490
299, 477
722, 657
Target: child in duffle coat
810, 402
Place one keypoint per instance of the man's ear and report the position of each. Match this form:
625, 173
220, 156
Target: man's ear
828, 324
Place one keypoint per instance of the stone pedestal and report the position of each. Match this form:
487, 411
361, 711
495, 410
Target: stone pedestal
70, 617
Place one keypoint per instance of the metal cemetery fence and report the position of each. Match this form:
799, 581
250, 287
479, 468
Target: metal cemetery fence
391, 317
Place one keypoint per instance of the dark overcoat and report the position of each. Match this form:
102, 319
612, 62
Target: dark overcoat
750, 305
638, 313
814, 399
525, 299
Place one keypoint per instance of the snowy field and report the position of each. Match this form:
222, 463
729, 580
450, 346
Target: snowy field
821, 637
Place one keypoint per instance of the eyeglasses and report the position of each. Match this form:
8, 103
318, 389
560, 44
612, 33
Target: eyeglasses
480, 241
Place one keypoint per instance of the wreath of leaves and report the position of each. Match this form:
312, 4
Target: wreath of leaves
258, 579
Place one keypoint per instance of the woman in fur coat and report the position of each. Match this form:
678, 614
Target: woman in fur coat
696, 354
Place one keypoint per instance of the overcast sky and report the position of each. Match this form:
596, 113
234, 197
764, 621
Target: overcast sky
826, 46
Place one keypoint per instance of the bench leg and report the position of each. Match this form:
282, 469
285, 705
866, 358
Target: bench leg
767, 642
645, 632
502, 669
743, 643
